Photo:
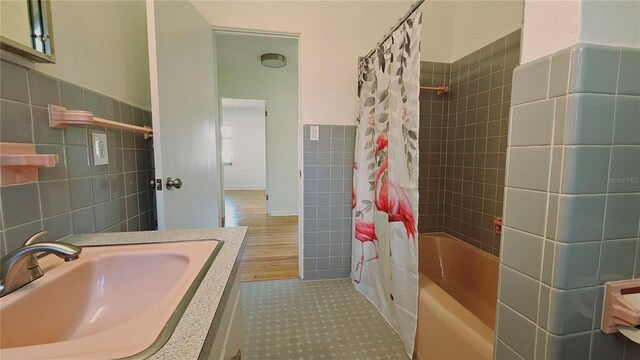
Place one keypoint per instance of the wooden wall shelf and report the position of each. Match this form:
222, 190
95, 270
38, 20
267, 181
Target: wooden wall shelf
20, 163
61, 118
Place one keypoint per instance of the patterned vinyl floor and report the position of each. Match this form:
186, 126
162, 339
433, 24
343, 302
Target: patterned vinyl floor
292, 319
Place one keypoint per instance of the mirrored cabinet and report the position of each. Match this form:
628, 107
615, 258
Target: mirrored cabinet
26, 29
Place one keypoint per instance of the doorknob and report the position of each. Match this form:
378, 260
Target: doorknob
173, 183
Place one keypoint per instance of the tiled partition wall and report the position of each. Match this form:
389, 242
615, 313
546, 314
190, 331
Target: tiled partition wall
572, 203
433, 135
328, 183
477, 141
463, 143
75, 196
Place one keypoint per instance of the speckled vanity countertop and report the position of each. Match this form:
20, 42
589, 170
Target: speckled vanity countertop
190, 335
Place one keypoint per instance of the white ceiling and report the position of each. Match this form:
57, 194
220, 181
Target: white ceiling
242, 52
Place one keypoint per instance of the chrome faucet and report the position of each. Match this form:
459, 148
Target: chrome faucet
20, 267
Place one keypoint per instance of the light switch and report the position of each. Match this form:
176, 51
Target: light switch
314, 133
100, 153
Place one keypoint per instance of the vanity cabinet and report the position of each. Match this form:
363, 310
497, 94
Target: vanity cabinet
230, 335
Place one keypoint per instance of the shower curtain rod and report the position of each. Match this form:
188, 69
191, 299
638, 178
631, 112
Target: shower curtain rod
402, 19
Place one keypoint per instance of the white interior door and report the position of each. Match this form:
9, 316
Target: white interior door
185, 114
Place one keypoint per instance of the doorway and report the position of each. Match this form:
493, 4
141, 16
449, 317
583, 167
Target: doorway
243, 144
259, 113
271, 251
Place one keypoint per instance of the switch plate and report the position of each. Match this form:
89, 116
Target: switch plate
100, 153
314, 133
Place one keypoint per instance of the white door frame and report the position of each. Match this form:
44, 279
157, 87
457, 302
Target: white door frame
299, 37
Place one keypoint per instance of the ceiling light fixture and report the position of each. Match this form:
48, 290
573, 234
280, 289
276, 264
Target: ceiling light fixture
273, 60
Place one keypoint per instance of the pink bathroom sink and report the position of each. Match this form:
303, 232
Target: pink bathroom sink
115, 301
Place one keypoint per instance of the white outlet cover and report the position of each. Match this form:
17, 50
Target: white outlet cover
100, 151
314, 133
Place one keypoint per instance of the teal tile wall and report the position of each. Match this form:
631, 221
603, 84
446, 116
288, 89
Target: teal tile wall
573, 223
434, 115
463, 142
75, 196
328, 184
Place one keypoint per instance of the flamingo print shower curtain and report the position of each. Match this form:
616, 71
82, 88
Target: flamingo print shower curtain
385, 181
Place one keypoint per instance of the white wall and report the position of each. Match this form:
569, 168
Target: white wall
248, 169
478, 23
452, 29
550, 26
333, 35
102, 45
280, 90
437, 30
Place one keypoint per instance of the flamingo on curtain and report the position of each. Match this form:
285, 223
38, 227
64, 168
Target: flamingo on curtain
365, 232
390, 198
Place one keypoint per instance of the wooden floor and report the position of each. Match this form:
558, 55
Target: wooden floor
271, 251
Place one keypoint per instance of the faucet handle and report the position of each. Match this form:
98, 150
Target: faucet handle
35, 238
32, 261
